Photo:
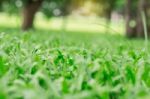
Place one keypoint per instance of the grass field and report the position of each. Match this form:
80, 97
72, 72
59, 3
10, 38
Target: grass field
78, 24
46, 64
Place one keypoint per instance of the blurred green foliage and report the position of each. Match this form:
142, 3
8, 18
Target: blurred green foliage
49, 7
58, 7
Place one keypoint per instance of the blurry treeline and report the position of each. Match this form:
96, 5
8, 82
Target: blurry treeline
136, 13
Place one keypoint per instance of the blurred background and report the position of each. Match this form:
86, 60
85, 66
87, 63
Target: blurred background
125, 17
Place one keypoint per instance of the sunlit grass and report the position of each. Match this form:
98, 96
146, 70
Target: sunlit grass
80, 24
9, 20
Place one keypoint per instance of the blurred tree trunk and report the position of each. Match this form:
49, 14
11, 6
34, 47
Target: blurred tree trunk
134, 19
144, 6
141, 9
29, 11
1, 1
130, 18
66, 9
108, 19
108, 9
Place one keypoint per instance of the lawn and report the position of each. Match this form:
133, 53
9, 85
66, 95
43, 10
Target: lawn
44, 64
79, 24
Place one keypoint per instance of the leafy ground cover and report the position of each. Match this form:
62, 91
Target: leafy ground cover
56, 65
79, 63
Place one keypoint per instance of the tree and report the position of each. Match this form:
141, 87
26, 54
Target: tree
29, 11
108, 6
30, 7
1, 1
134, 19
49, 8
130, 18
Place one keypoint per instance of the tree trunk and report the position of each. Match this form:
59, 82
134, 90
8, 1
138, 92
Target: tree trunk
29, 12
137, 8
130, 19
141, 9
108, 19
145, 6
1, 1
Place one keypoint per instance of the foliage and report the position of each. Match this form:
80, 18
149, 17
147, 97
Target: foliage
49, 8
72, 66
55, 7
59, 7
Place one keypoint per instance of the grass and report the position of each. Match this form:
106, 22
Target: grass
46, 64
79, 24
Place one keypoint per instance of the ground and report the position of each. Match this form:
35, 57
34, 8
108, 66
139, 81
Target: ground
44, 64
